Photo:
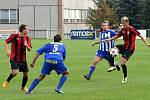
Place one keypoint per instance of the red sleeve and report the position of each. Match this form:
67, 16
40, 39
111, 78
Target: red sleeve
12, 36
119, 34
29, 42
133, 30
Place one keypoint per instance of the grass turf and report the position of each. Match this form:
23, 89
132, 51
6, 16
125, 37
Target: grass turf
102, 86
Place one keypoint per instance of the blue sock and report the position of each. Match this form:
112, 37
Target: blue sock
34, 84
92, 68
61, 81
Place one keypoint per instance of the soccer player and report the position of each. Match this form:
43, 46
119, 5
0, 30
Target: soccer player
19, 42
55, 54
103, 50
129, 34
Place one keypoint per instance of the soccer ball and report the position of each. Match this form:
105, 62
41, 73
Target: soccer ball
114, 52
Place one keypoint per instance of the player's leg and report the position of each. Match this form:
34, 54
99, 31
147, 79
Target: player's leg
14, 72
24, 82
124, 69
92, 68
61, 82
116, 64
113, 65
61, 68
125, 57
36, 82
24, 68
46, 69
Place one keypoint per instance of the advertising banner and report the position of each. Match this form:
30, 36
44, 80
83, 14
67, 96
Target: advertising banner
83, 34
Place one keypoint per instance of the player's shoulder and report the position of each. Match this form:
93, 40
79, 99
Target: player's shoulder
14, 35
56, 43
131, 27
111, 31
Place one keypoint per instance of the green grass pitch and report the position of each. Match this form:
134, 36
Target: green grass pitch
102, 86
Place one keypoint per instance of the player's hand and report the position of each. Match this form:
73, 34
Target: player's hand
25, 43
93, 44
31, 65
105, 40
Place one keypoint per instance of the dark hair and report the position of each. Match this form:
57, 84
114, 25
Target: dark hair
22, 27
57, 38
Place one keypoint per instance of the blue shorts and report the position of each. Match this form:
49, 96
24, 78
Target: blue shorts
60, 68
104, 54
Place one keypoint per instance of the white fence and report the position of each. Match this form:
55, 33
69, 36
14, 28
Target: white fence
49, 34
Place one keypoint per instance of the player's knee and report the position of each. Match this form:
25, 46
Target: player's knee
14, 74
66, 73
95, 63
41, 77
25, 74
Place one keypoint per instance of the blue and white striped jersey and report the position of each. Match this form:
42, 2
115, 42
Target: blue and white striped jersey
106, 46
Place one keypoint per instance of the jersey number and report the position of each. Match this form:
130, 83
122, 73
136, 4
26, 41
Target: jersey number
55, 49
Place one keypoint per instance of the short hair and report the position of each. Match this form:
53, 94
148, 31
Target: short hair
107, 22
22, 27
125, 19
57, 38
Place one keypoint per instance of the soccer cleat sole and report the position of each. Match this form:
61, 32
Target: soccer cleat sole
59, 91
111, 69
86, 77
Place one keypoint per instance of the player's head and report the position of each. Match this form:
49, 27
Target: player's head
24, 29
125, 21
57, 38
105, 25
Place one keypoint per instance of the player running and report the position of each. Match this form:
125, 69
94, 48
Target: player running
129, 34
55, 54
103, 50
19, 42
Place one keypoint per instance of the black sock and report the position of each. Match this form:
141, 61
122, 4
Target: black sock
124, 68
10, 77
24, 81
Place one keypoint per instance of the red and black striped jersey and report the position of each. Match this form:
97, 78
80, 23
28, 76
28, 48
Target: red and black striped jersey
18, 49
129, 36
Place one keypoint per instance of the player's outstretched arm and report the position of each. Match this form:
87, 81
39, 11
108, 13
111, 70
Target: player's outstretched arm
144, 41
26, 44
34, 60
96, 42
7, 49
113, 38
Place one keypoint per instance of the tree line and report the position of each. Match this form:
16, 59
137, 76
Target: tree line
138, 12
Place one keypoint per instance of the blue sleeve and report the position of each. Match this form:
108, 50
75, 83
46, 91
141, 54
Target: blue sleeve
113, 33
42, 49
64, 53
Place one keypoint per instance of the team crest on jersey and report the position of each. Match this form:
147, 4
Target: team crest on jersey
128, 32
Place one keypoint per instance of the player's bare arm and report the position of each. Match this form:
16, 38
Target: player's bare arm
34, 60
7, 49
28, 47
144, 41
113, 38
95, 42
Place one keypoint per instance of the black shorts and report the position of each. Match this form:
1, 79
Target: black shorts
125, 53
22, 66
